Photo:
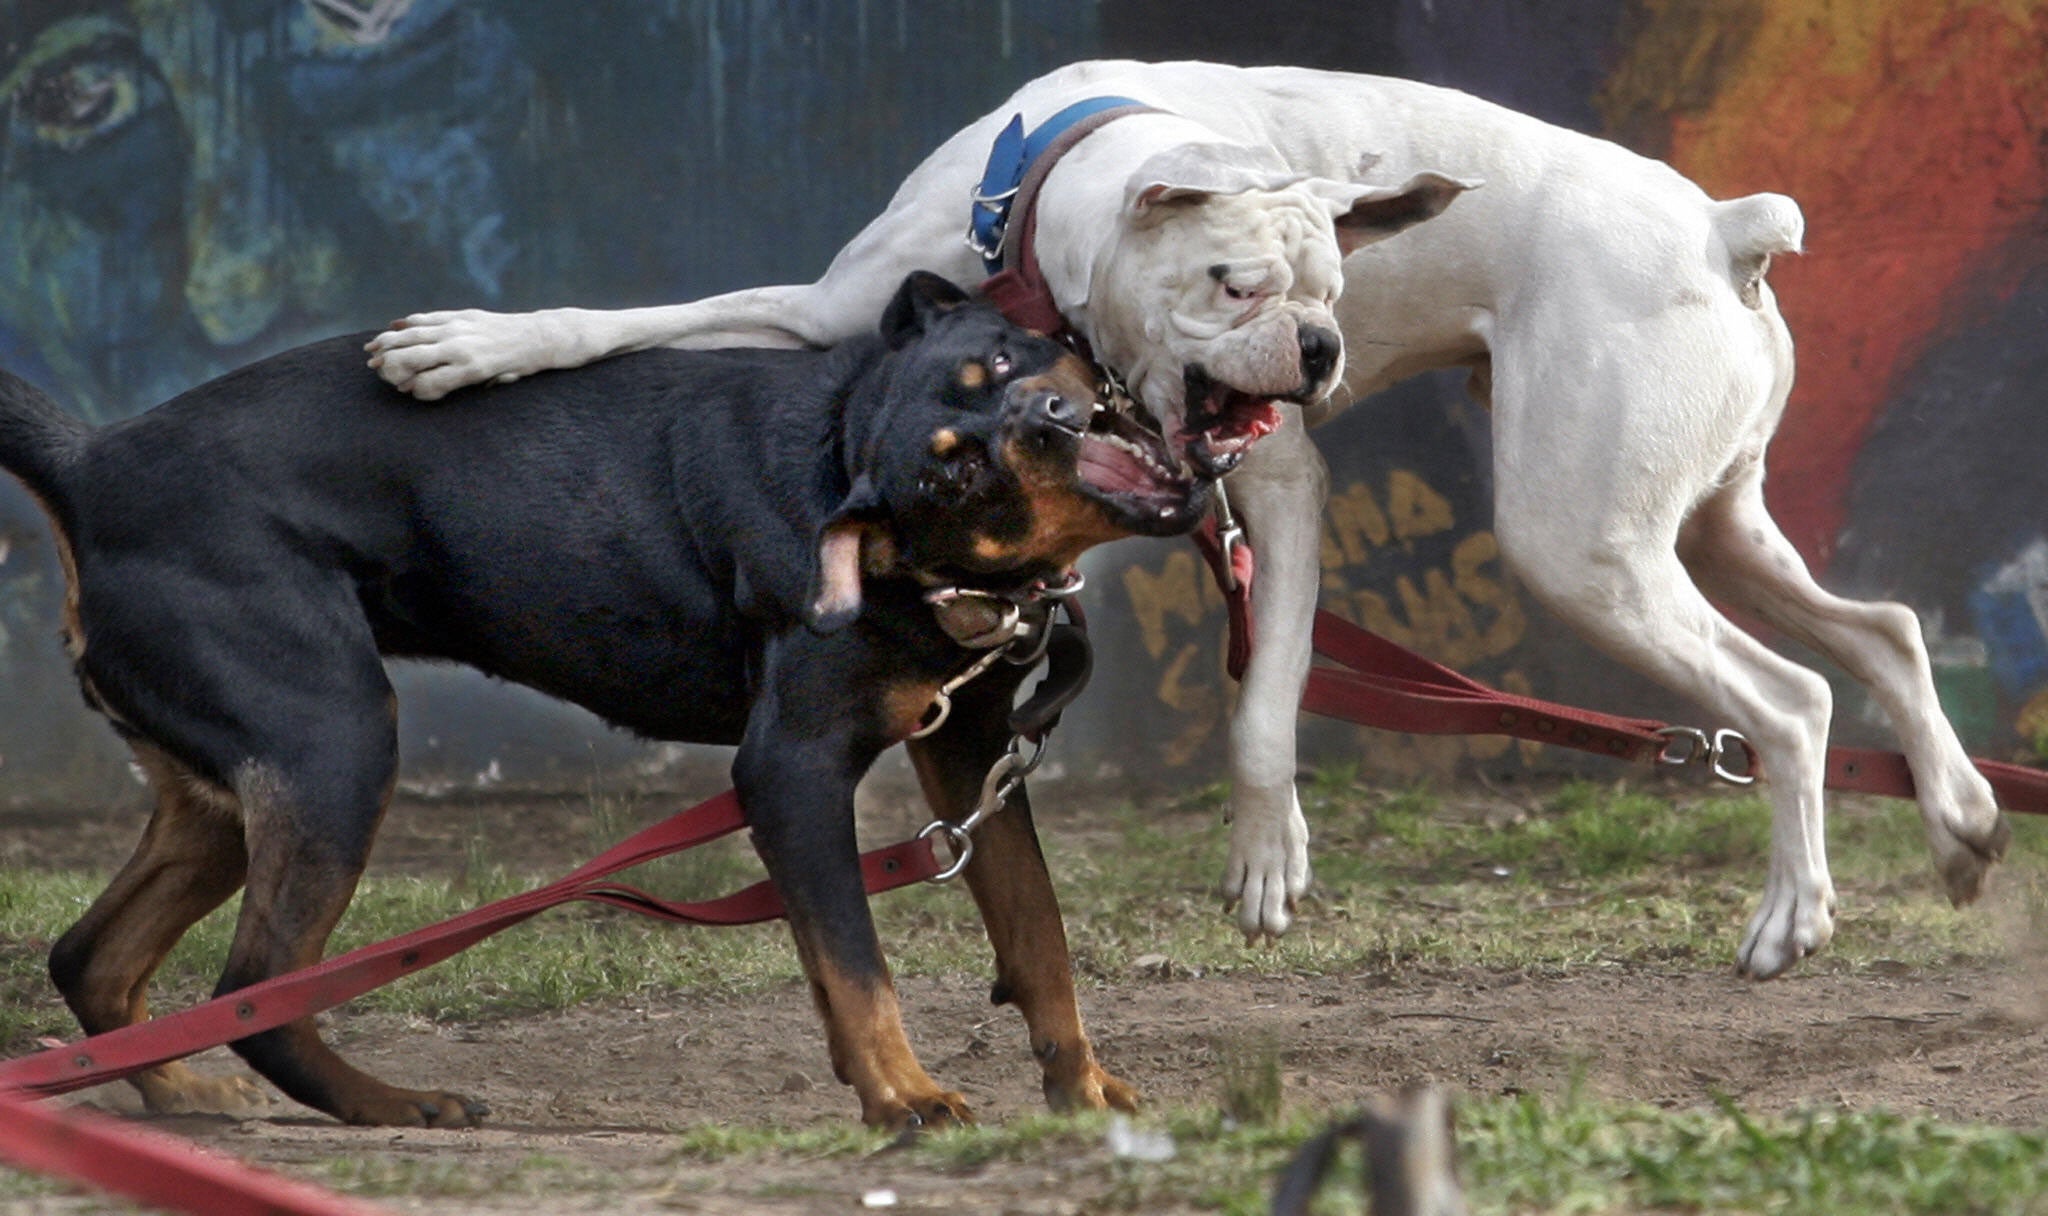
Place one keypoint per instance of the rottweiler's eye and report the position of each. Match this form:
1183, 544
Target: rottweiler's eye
1000, 364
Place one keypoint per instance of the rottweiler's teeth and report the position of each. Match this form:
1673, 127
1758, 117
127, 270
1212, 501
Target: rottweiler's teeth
1143, 455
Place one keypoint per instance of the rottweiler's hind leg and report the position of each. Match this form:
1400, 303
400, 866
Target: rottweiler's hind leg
189, 861
309, 833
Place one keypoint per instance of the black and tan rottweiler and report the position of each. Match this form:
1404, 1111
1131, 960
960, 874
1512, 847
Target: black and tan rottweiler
727, 547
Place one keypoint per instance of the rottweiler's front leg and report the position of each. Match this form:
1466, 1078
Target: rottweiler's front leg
1014, 892
796, 788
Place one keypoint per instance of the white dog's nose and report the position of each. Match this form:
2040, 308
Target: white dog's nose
1320, 350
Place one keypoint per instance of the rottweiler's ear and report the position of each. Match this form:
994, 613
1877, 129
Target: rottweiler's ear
923, 296
835, 595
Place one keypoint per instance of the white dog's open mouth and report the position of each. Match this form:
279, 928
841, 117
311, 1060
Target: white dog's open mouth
1220, 424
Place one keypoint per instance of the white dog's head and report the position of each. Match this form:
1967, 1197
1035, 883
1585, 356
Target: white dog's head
1215, 300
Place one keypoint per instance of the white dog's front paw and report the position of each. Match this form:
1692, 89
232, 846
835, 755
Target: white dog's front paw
1268, 867
1794, 920
431, 354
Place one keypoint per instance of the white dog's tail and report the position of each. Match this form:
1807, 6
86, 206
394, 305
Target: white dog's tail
1753, 228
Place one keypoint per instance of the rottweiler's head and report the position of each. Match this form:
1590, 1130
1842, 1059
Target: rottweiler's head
983, 453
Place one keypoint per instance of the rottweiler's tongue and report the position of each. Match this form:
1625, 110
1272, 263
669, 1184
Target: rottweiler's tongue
1124, 464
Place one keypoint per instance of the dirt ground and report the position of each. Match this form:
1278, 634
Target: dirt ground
599, 1085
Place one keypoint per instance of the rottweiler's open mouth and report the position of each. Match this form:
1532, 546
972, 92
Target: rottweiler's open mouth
1220, 423
1129, 466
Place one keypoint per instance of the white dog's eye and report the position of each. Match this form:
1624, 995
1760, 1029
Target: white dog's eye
1240, 284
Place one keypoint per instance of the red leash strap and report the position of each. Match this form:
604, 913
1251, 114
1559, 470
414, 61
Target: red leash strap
1388, 686
1394, 688
1869, 771
153, 1169
286, 998
1234, 571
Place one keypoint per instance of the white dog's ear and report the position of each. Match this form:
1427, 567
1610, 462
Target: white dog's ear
1364, 214
1189, 173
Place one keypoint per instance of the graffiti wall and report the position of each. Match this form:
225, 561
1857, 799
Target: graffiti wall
189, 184
1913, 461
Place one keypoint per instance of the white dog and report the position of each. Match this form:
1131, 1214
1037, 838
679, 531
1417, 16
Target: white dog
1614, 317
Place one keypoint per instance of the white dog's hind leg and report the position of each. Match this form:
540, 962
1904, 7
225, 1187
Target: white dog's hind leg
1619, 582
1738, 554
1278, 493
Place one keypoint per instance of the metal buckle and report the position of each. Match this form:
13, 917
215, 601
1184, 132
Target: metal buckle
1690, 745
996, 205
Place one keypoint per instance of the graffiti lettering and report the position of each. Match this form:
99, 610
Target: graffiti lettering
1459, 611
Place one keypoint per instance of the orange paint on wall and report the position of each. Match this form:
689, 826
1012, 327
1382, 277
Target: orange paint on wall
1914, 136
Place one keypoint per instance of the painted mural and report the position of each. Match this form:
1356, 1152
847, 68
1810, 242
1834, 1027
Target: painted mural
189, 184
1913, 461
186, 185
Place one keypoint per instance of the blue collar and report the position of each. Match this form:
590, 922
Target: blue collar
1009, 158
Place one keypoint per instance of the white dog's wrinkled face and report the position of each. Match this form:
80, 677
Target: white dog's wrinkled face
1218, 297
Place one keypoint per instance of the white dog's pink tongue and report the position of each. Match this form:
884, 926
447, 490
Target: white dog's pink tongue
1218, 448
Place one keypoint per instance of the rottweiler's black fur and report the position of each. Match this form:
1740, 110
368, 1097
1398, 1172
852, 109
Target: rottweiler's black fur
724, 547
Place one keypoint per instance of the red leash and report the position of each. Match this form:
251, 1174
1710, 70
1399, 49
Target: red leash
286, 998
168, 1173
1384, 685
154, 1169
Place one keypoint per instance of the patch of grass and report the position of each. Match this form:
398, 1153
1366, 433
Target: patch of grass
1593, 874
441, 1177
727, 1141
1248, 1077
1523, 1154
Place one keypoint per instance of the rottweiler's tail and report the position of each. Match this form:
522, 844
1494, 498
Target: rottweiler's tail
38, 440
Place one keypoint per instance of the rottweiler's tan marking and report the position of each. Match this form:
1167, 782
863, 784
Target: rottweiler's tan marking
189, 861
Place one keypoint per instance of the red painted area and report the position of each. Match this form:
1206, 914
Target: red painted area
1914, 170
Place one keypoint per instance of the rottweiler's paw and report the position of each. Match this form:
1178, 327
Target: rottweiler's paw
1092, 1089
408, 1108
177, 1090
921, 1114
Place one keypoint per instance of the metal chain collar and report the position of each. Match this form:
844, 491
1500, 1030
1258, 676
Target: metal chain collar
1000, 625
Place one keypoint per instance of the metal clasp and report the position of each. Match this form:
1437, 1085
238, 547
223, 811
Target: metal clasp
1229, 537
1685, 745
942, 700
1011, 635
1005, 778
